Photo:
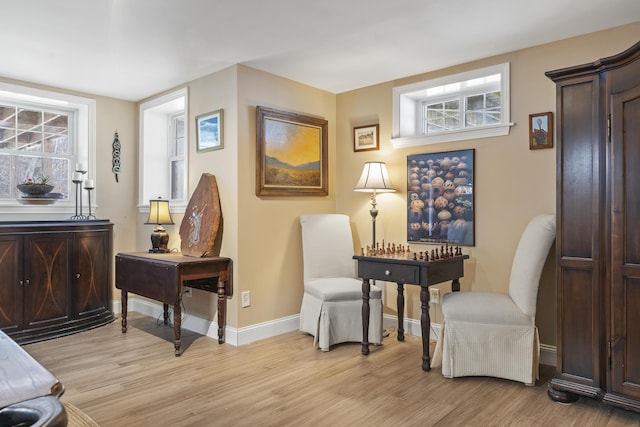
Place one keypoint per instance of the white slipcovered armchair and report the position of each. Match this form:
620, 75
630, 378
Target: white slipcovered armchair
332, 303
493, 334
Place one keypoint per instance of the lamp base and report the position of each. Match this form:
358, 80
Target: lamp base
159, 241
159, 251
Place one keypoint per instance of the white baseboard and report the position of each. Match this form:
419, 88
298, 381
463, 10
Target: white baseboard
249, 334
233, 336
548, 355
411, 326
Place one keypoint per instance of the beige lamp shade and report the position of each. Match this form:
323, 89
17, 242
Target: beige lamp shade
374, 179
159, 212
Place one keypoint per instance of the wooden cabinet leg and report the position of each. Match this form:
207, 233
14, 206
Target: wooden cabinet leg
177, 325
425, 324
400, 306
365, 316
222, 312
561, 396
124, 298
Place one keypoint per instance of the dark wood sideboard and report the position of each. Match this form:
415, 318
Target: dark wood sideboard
55, 278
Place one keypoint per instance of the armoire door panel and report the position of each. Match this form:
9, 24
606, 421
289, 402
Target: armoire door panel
631, 181
632, 344
576, 290
576, 178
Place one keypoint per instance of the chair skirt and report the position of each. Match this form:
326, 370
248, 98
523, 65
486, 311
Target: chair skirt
503, 351
333, 322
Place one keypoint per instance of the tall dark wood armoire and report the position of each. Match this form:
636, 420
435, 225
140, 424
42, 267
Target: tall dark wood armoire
598, 240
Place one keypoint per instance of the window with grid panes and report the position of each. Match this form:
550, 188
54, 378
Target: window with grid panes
43, 134
473, 104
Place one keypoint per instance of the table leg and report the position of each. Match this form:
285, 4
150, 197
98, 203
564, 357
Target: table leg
165, 313
365, 316
400, 304
425, 323
455, 285
177, 326
222, 310
124, 299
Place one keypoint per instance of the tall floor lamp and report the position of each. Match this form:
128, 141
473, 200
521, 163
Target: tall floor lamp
374, 179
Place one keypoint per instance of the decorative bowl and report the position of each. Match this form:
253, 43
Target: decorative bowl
35, 189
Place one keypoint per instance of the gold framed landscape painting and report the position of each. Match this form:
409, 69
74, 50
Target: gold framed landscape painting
291, 154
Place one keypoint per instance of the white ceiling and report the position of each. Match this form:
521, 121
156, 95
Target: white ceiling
132, 49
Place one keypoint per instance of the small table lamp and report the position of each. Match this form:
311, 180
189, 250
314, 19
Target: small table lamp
159, 214
374, 179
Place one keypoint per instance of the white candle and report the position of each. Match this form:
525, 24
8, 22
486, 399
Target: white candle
77, 177
81, 167
88, 184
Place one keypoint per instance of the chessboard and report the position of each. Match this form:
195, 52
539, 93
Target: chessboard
392, 250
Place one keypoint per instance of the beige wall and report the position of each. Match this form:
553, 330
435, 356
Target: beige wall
270, 252
512, 183
262, 235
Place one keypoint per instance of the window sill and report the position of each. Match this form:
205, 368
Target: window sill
460, 135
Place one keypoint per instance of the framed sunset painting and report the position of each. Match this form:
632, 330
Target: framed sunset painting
291, 154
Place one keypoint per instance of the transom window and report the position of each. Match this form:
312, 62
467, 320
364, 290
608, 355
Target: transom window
462, 106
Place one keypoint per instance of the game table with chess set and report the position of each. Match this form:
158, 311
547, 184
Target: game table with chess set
395, 263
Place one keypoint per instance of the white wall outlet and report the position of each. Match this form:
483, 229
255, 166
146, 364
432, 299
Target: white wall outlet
246, 299
187, 292
434, 296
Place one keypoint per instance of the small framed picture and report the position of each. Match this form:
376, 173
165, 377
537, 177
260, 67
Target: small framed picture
209, 131
540, 131
365, 138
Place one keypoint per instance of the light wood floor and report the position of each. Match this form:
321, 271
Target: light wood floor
134, 379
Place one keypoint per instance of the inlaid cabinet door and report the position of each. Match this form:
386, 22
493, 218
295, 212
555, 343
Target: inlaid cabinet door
90, 276
46, 279
11, 285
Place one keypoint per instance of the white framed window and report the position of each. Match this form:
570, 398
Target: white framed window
177, 165
163, 156
43, 135
474, 104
